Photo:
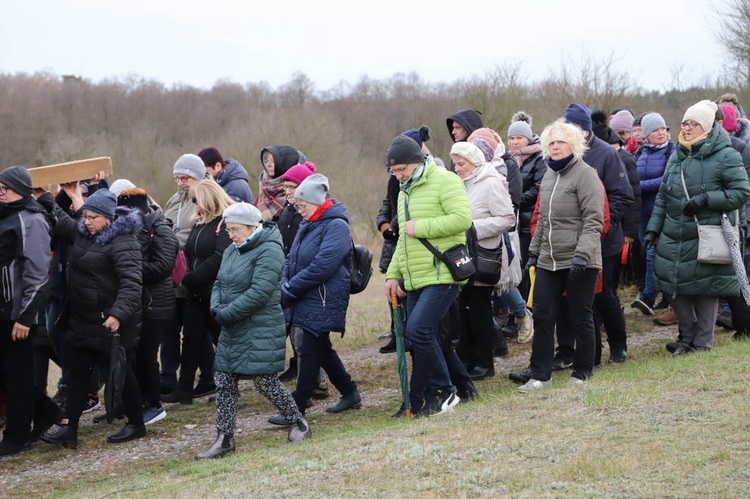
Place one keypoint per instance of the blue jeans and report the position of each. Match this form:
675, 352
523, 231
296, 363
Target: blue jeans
425, 309
515, 303
648, 286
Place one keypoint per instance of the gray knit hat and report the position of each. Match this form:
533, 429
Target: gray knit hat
190, 165
520, 128
242, 213
652, 122
314, 188
17, 179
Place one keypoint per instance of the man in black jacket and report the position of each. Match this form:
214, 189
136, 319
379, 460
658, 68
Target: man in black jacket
24, 262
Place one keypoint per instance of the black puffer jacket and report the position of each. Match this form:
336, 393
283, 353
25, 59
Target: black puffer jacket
631, 222
203, 252
289, 221
532, 173
388, 214
104, 278
159, 246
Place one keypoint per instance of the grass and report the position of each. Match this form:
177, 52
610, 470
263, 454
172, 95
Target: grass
653, 426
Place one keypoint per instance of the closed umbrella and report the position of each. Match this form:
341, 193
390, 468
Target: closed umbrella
398, 331
730, 233
115, 377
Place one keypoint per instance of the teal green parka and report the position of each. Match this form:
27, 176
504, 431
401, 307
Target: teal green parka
714, 167
249, 284
439, 205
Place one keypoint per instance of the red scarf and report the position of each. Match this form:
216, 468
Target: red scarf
321, 209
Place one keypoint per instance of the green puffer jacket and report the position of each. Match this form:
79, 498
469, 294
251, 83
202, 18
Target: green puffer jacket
713, 167
571, 218
253, 341
440, 207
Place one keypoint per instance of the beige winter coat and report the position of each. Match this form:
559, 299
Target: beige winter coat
491, 207
181, 211
571, 218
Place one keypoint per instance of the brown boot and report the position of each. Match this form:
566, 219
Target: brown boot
668, 318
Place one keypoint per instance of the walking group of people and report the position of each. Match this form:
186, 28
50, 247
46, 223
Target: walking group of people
216, 280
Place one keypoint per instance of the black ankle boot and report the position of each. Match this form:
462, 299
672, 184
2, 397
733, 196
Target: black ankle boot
179, 394
351, 401
66, 435
127, 433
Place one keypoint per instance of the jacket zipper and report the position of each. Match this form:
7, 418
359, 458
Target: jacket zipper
549, 222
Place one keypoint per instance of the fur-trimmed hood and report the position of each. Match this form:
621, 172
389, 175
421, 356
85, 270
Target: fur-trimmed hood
743, 130
127, 221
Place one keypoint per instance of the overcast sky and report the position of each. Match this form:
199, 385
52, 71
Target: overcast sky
197, 42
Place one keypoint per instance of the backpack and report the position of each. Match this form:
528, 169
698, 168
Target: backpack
360, 269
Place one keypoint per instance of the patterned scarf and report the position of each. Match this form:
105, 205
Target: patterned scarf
521, 155
271, 198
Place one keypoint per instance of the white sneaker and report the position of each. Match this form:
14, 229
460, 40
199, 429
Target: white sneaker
573, 381
525, 328
534, 384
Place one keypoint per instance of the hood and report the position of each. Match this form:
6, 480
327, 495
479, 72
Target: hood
127, 221
233, 171
467, 118
743, 130
481, 173
284, 157
43, 206
156, 217
269, 233
338, 210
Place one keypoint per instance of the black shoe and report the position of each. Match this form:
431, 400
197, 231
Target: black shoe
127, 433
401, 413
510, 330
9, 449
291, 373
203, 390
165, 389
61, 396
724, 320
661, 305
43, 424
561, 362
617, 356
480, 373
390, 346
442, 402
672, 346
682, 349
66, 435
102, 418
520, 376
279, 420
644, 305
179, 394
351, 401
741, 335
468, 395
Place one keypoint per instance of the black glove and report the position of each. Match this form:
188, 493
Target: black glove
577, 268
530, 262
389, 235
217, 315
695, 204
649, 240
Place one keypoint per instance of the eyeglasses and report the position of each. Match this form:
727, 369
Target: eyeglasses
3, 190
298, 206
689, 125
289, 187
181, 178
91, 218
234, 230
395, 171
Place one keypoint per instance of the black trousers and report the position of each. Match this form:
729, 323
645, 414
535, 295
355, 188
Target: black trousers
18, 375
196, 339
146, 363
607, 305
82, 362
477, 330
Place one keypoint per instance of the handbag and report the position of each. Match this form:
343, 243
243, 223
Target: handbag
457, 258
489, 264
712, 246
360, 269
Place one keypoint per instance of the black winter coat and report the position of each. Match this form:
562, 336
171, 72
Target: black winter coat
515, 181
388, 214
203, 251
288, 223
532, 173
631, 223
159, 245
104, 278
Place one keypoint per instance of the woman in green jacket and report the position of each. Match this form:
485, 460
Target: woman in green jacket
715, 181
246, 302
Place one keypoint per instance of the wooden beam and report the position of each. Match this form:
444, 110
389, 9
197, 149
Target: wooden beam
69, 172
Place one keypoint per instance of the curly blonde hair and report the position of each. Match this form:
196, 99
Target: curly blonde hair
562, 131
211, 198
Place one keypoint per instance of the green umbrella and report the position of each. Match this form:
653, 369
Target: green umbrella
398, 330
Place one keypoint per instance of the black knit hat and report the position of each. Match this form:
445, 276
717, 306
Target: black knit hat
17, 179
403, 151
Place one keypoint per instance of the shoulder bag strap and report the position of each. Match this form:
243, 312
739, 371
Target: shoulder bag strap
723, 214
440, 256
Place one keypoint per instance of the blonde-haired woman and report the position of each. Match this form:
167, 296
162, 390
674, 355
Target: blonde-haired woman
204, 249
566, 251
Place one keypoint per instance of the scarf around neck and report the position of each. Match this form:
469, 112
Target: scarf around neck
521, 155
559, 164
688, 144
413, 179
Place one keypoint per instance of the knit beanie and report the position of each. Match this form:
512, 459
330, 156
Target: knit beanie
579, 115
403, 151
211, 156
298, 173
622, 121
103, 202
17, 179
652, 122
520, 128
314, 188
485, 147
487, 134
730, 117
242, 213
469, 152
703, 112
421, 135
190, 165
121, 184
134, 198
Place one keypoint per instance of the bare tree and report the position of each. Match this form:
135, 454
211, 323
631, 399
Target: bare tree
734, 26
